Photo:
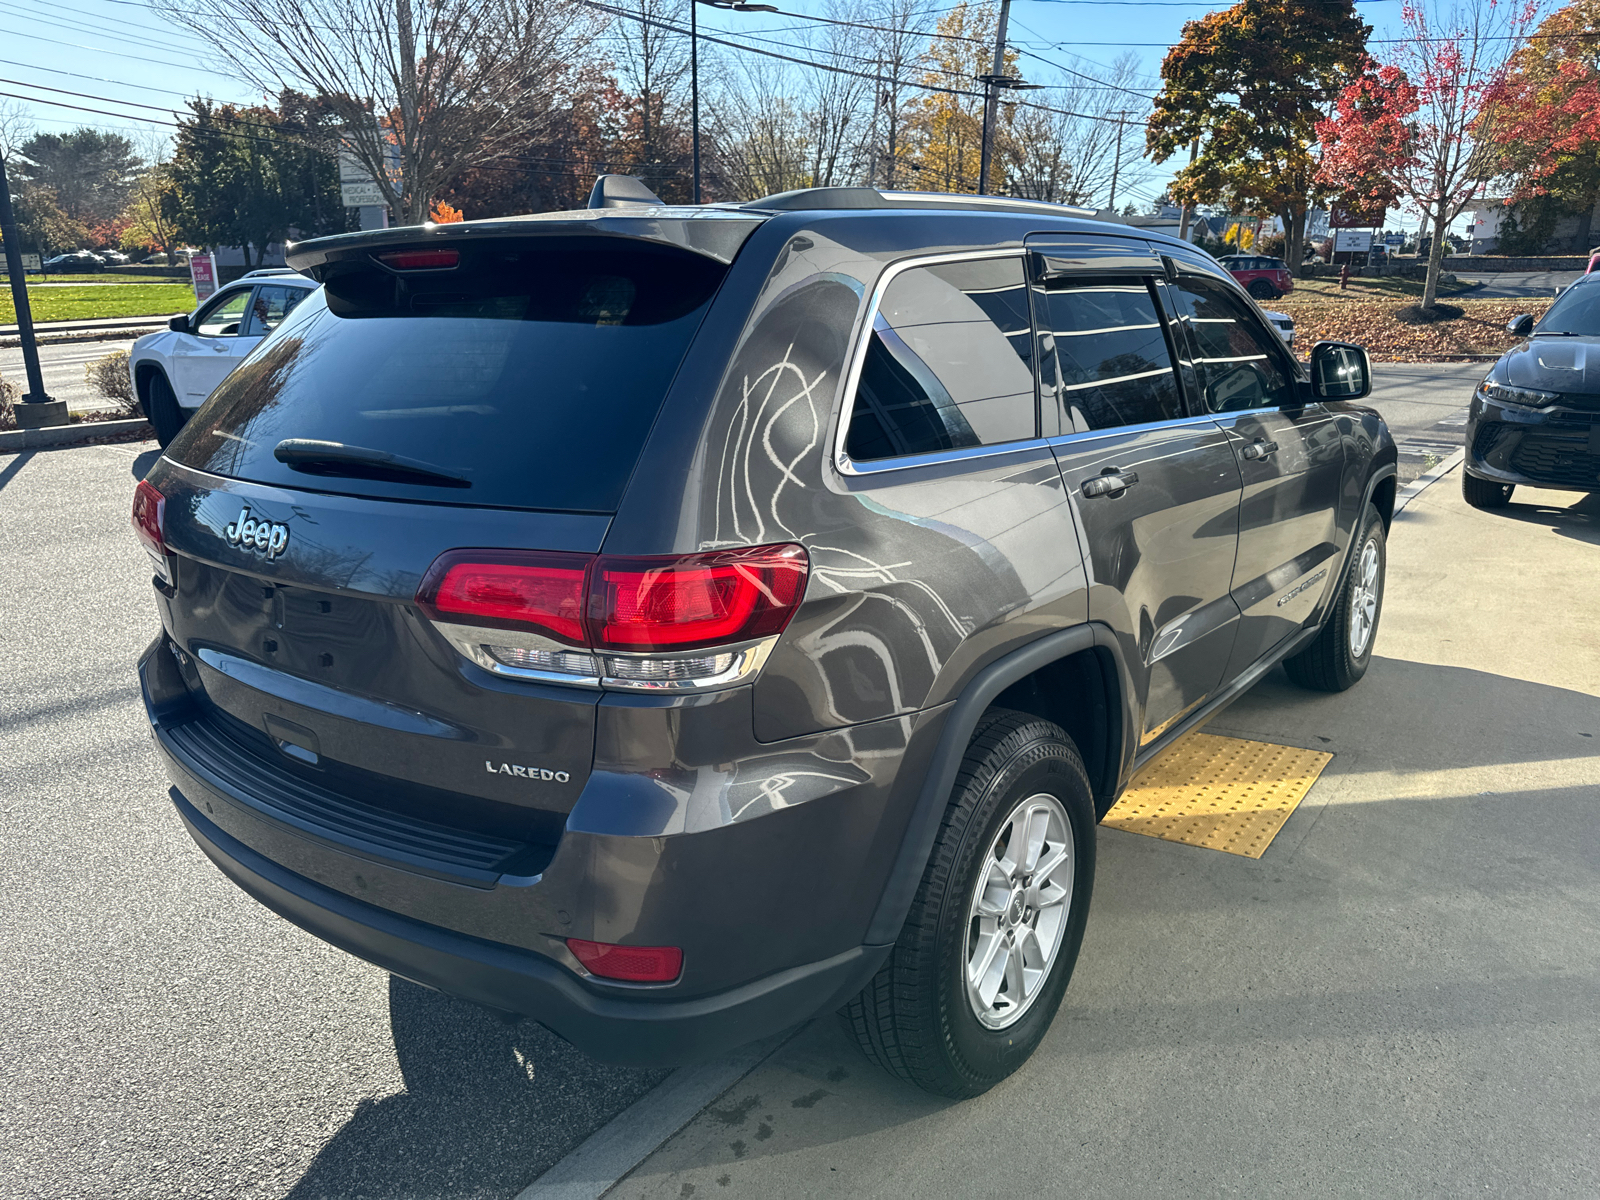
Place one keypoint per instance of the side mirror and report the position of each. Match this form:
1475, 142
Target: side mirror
1520, 326
179, 323
1340, 371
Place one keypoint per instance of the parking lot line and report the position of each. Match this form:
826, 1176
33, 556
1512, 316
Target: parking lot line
1222, 793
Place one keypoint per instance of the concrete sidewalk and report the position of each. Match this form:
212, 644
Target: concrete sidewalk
1402, 997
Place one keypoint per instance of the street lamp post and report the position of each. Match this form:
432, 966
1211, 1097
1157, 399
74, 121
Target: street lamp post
37, 409
993, 83
694, 72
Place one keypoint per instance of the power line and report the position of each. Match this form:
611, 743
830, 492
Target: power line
143, 87
99, 50
132, 38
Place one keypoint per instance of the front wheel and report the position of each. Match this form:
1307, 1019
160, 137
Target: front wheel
993, 934
166, 418
1484, 493
1341, 653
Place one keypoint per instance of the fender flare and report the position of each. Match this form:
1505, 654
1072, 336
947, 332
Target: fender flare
916, 845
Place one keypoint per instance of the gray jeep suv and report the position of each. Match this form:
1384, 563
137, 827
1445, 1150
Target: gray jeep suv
669, 623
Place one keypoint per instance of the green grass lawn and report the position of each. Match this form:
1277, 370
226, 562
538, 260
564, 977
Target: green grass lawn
87, 303
1384, 288
103, 277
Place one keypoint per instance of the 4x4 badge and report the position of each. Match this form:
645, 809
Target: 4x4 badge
265, 537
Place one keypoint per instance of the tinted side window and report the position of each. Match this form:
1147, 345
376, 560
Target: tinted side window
271, 306
1112, 355
949, 364
1239, 366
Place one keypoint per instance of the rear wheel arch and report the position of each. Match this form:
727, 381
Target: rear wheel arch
1028, 677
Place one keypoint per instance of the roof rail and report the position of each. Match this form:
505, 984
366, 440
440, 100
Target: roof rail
863, 197
260, 271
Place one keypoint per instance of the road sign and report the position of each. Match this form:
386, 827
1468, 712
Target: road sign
30, 262
1394, 239
203, 274
1352, 240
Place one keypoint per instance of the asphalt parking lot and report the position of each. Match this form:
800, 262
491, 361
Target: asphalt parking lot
1399, 998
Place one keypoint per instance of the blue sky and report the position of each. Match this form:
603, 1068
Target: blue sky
121, 53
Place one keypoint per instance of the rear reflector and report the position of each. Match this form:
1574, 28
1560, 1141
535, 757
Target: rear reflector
149, 510
636, 964
420, 260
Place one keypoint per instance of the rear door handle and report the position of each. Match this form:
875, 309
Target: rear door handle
1257, 450
1112, 483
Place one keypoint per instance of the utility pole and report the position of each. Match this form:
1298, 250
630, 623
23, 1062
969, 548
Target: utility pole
991, 100
1116, 163
1183, 214
37, 409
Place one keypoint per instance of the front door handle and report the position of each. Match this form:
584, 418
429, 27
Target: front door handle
1259, 449
1111, 483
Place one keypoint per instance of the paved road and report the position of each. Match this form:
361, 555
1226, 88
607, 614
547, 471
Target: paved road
1516, 284
63, 365
1425, 405
162, 1035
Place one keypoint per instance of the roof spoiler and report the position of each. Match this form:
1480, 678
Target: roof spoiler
622, 191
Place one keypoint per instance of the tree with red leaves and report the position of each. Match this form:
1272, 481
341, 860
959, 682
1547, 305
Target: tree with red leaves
1544, 128
1410, 122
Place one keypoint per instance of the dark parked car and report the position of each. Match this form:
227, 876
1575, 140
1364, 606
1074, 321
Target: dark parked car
1535, 418
1263, 277
77, 261
671, 622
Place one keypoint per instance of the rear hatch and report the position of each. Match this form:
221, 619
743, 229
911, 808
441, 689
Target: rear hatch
491, 396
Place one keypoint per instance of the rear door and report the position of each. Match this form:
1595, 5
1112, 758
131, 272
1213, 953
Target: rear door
206, 356
1290, 455
1156, 489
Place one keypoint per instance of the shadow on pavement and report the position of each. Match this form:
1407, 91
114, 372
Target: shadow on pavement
1579, 520
488, 1106
16, 465
142, 464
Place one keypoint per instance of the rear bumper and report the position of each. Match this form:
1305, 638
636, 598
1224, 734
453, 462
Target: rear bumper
630, 1029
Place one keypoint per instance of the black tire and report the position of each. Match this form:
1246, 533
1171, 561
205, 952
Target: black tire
1328, 664
162, 406
1485, 493
1262, 290
914, 1018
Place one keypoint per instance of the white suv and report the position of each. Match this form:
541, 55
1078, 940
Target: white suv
175, 370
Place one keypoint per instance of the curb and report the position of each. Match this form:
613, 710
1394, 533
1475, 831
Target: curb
69, 435
106, 335
1420, 484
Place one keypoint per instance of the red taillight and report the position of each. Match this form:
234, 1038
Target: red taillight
509, 590
636, 964
149, 506
677, 602
695, 600
420, 260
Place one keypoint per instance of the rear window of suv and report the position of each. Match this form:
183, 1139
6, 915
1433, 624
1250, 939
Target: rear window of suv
531, 373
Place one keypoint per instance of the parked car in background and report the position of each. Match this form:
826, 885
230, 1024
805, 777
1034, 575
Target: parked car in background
173, 371
1263, 277
78, 262
1283, 323
1535, 418
672, 622
113, 258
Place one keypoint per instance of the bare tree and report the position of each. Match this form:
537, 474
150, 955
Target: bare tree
1065, 149
838, 102
897, 45
15, 127
651, 64
759, 142
425, 89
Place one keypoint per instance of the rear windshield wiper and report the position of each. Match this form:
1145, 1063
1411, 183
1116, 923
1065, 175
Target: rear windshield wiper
360, 462
1555, 333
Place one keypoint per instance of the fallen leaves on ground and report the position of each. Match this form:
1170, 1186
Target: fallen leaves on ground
1480, 330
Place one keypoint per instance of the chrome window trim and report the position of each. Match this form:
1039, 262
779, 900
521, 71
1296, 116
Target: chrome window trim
858, 357
1084, 435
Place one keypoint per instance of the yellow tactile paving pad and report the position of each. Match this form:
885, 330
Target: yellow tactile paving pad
1222, 793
